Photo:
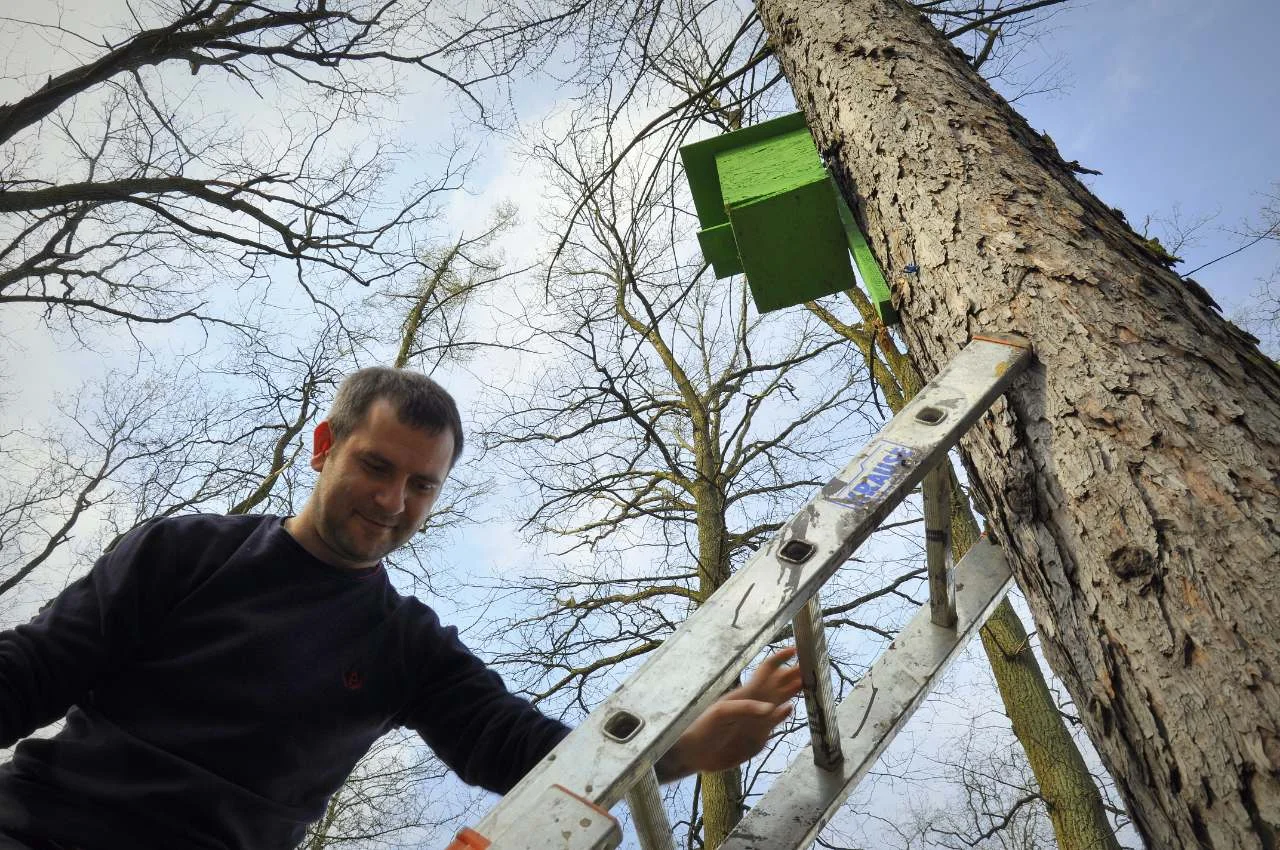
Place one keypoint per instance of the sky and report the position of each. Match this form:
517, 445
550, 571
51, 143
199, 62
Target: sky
1176, 102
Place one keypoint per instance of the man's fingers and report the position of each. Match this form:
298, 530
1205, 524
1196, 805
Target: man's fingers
754, 708
777, 659
728, 733
747, 707
773, 665
792, 678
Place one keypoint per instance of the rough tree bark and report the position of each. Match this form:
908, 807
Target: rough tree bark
1132, 473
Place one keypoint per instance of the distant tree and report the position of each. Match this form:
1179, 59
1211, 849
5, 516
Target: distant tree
999, 806
161, 440
1264, 318
126, 193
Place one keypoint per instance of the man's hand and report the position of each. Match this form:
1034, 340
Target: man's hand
737, 725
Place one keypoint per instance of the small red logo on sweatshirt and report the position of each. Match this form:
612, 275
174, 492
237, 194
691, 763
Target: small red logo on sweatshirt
352, 680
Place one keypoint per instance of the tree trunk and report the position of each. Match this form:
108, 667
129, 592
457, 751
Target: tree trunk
721, 805
721, 791
1132, 471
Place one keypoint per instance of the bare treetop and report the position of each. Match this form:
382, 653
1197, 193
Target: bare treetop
218, 142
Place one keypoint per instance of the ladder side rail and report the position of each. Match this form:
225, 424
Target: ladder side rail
803, 798
564, 820
626, 735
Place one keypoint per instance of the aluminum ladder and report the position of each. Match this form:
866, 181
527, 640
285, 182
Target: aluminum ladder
564, 801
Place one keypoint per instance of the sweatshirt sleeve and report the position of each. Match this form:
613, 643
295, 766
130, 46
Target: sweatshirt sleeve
91, 628
484, 733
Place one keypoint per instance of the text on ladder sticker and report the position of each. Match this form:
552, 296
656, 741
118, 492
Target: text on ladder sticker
882, 463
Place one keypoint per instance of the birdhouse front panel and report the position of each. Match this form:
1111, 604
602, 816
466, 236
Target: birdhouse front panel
792, 246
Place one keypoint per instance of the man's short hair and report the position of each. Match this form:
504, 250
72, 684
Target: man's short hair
419, 402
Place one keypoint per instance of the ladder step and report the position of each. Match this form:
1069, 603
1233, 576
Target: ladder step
801, 801
649, 815
633, 728
815, 668
937, 546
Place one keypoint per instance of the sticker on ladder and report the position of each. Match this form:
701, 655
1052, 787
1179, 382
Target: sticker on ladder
883, 463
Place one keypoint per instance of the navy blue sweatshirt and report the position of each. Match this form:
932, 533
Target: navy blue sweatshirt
222, 683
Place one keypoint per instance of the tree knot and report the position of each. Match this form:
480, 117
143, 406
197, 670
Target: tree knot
1131, 562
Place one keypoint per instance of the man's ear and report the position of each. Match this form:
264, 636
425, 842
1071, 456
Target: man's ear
321, 445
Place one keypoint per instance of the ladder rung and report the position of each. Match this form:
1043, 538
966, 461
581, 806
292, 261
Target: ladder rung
815, 668
937, 545
801, 801
648, 814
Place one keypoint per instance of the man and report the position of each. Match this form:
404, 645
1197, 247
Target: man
221, 675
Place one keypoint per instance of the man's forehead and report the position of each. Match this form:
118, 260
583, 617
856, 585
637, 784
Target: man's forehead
384, 414
383, 431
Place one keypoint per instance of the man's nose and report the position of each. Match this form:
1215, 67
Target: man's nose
389, 498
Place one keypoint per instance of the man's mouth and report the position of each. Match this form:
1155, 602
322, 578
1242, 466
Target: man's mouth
376, 522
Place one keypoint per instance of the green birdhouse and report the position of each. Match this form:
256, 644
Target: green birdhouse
769, 210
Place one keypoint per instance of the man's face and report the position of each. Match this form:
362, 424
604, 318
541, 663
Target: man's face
376, 485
